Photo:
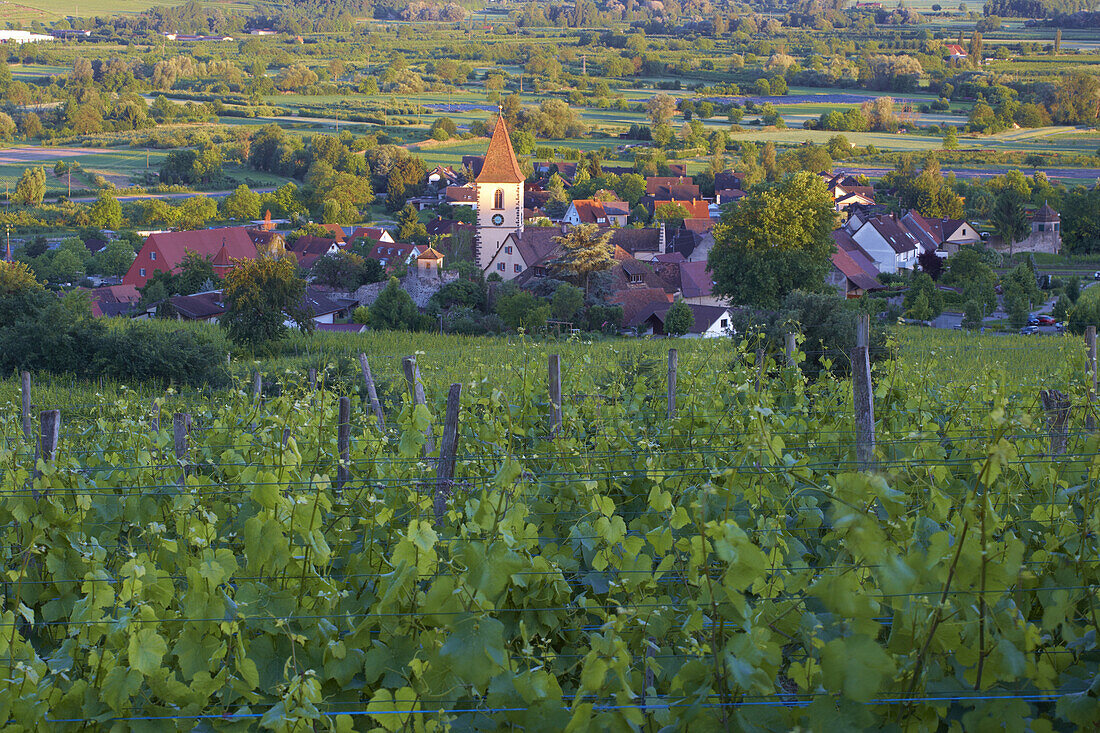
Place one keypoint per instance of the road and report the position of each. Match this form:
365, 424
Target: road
183, 195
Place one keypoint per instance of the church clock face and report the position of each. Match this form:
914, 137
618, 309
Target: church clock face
498, 219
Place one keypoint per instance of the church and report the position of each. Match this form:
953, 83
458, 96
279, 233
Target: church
499, 189
501, 243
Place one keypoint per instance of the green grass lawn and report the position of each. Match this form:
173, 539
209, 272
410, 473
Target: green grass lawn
47, 11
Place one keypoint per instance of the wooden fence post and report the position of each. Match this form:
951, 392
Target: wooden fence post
181, 425
445, 467
863, 399
554, 383
50, 430
343, 443
789, 349
28, 423
863, 330
1056, 406
416, 390
372, 392
673, 359
1090, 340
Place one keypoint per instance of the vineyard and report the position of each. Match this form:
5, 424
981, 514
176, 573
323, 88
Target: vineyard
649, 549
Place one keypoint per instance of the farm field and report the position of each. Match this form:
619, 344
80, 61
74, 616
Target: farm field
722, 565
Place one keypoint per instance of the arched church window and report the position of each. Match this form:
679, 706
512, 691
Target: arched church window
498, 199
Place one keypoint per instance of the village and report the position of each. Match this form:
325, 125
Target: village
507, 235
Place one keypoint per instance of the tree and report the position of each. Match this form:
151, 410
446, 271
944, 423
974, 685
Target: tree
672, 215
1008, 217
259, 296
521, 309
776, 240
972, 315
566, 301
660, 108
1016, 305
106, 212
679, 319
242, 205
585, 250
394, 309
950, 138
196, 211
114, 259
346, 271
17, 277
930, 263
409, 226
31, 188
923, 300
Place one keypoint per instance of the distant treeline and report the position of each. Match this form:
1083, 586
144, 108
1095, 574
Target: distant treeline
1034, 8
1083, 19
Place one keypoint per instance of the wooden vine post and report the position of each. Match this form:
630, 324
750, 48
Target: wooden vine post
1090, 340
48, 434
448, 454
789, 349
181, 426
257, 385
416, 391
759, 368
554, 383
28, 422
312, 380
673, 360
863, 399
343, 443
372, 392
1056, 407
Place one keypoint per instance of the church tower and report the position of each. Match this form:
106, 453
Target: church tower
499, 196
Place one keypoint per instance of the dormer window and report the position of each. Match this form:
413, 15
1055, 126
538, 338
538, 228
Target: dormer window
635, 279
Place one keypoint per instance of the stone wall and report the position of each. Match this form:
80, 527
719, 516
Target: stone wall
420, 288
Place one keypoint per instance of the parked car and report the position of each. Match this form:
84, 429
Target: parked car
1032, 321
1045, 320
1029, 330
1096, 275
1061, 327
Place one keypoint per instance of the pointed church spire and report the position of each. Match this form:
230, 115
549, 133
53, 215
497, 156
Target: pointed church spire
500, 164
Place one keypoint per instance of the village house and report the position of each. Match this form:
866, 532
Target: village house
710, 321
600, 213
164, 251
853, 271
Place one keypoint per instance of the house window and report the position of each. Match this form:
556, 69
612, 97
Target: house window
540, 272
498, 199
508, 250
142, 272
725, 323
635, 279
518, 268
153, 256
500, 266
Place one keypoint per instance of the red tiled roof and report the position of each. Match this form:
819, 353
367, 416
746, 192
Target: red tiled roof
696, 208
172, 246
309, 249
699, 226
335, 230
500, 164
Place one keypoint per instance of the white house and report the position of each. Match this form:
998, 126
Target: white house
888, 242
710, 321
600, 213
